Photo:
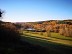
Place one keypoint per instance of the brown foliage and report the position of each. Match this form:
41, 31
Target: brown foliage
8, 32
66, 31
39, 27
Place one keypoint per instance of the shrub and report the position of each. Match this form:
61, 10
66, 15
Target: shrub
66, 32
61, 31
48, 33
8, 33
41, 33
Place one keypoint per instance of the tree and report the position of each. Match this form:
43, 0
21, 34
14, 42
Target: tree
8, 33
61, 31
1, 12
39, 27
48, 33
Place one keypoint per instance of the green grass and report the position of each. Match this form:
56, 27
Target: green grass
43, 43
52, 47
58, 36
48, 42
55, 37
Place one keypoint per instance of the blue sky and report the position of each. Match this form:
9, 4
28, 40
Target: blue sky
36, 10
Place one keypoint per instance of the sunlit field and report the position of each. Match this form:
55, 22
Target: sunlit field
55, 37
53, 43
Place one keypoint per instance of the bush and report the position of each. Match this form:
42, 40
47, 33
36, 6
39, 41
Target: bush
41, 33
66, 32
61, 31
8, 33
48, 33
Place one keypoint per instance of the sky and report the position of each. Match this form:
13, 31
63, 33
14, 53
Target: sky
36, 10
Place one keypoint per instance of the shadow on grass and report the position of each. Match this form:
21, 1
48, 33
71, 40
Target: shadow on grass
50, 46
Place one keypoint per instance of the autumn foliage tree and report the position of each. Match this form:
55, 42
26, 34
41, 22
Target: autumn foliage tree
39, 27
66, 30
8, 32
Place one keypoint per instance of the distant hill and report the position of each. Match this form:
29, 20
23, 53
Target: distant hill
58, 21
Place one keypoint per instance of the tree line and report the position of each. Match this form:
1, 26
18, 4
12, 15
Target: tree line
63, 27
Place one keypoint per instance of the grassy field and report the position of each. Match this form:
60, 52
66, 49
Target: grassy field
58, 36
55, 37
54, 44
53, 48
43, 34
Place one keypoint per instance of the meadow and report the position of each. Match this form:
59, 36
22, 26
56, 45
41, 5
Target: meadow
55, 37
54, 45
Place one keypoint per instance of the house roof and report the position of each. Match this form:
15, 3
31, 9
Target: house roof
30, 29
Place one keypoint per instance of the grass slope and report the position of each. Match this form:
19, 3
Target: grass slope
53, 48
55, 37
